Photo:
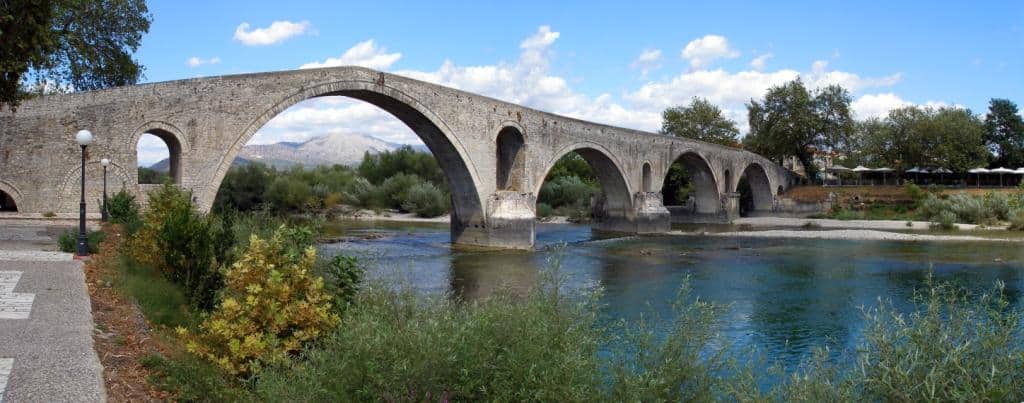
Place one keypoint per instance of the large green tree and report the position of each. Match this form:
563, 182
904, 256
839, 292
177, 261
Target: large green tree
1004, 132
62, 45
700, 120
912, 136
793, 121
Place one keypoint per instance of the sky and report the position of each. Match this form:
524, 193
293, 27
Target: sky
615, 62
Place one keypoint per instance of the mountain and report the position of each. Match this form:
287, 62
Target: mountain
329, 149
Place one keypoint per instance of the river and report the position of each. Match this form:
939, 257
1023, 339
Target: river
784, 296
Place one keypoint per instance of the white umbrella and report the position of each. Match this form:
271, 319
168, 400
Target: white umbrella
837, 169
860, 169
1019, 171
978, 171
884, 171
941, 171
1002, 171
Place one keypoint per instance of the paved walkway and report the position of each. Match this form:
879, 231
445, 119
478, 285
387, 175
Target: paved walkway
46, 346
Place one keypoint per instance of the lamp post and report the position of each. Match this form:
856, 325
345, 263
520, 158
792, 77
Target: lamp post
103, 211
84, 138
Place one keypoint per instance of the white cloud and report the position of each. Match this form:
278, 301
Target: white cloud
876, 105
530, 81
759, 62
701, 52
365, 53
278, 31
648, 61
195, 61
151, 149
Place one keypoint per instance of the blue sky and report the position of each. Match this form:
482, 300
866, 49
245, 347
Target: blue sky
616, 62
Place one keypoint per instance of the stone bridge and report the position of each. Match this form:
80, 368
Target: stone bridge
495, 154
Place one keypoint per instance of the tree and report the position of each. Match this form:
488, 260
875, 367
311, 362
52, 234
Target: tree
912, 136
1004, 133
701, 120
792, 121
60, 45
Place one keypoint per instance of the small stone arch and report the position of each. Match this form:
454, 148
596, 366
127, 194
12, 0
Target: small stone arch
617, 197
760, 187
10, 197
706, 190
118, 177
177, 145
646, 182
510, 153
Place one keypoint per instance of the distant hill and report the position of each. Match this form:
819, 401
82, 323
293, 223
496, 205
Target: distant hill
329, 149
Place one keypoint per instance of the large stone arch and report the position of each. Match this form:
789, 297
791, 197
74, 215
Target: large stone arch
446, 147
760, 186
617, 199
706, 184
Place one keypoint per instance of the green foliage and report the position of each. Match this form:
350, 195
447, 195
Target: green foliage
123, 209
182, 245
1004, 132
572, 164
49, 214
700, 120
272, 306
152, 176
677, 187
194, 380
792, 121
952, 346
342, 276
68, 241
396, 189
286, 194
161, 301
85, 45
426, 200
242, 188
567, 191
915, 192
544, 210
395, 345
916, 136
378, 167
945, 220
1017, 220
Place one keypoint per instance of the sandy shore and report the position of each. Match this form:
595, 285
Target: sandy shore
370, 215
891, 225
852, 234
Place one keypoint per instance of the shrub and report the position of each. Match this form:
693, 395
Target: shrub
1017, 220
362, 193
544, 210
49, 214
272, 306
997, 206
395, 189
915, 192
182, 245
968, 209
946, 220
68, 241
567, 191
426, 200
342, 275
288, 194
123, 208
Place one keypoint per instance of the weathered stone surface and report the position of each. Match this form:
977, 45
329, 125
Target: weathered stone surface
485, 146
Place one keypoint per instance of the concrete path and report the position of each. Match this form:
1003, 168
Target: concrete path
46, 346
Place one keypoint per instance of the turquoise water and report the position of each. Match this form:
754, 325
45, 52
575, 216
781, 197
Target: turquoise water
785, 296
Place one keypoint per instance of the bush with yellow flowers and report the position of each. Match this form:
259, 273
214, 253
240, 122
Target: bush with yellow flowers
272, 306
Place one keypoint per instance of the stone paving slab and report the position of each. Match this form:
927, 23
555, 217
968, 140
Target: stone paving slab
13, 305
49, 355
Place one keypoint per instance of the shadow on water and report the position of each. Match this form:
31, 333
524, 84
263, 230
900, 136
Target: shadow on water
785, 296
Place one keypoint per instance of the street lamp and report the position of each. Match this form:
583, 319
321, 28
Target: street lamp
103, 211
84, 138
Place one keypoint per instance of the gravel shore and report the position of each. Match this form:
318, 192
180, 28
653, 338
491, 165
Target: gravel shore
852, 234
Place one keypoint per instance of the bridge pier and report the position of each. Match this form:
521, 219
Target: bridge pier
649, 216
731, 206
510, 223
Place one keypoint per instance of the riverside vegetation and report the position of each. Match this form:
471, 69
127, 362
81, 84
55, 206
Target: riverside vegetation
944, 211
256, 315
404, 180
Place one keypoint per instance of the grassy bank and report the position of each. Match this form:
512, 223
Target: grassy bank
259, 318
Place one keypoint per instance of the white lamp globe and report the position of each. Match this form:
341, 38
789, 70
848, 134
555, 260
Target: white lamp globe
83, 137
105, 162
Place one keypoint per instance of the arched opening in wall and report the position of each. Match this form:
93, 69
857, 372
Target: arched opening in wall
7, 203
646, 178
755, 191
583, 186
511, 166
158, 154
349, 151
690, 190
